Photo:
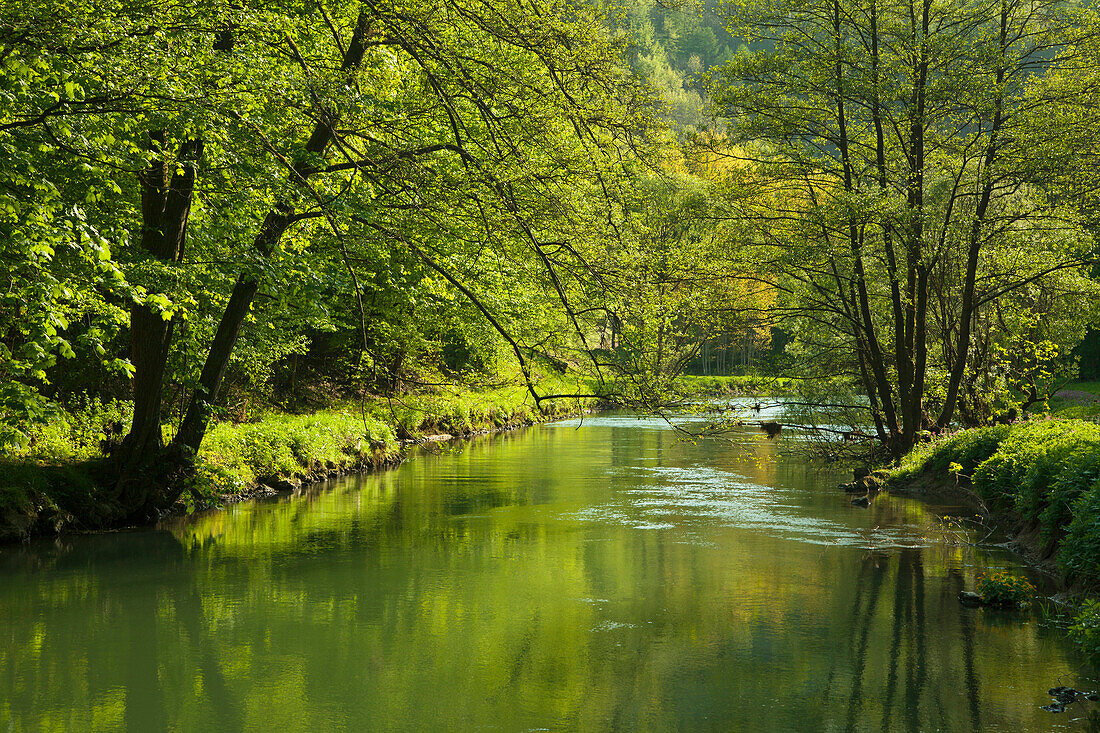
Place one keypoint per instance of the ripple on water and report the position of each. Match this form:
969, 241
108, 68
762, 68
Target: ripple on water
694, 498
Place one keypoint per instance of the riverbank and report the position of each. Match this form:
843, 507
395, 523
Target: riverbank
54, 487
1040, 482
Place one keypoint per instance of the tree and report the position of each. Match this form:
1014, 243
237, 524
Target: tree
469, 142
886, 139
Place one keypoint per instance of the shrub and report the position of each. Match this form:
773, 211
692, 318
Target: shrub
78, 433
1027, 462
1079, 553
967, 448
1085, 630
1079, 473
1002, 589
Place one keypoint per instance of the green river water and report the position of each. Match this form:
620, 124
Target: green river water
582, 576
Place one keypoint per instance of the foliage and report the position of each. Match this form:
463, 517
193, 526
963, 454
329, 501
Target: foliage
711, 386
390, 202
1079, 553
78, 433
967, 449
1085, 630
1078, 474
1005, 589
892, 203
1030, 460
1046, 472
449, 224
668, 285
673, 47
235, 456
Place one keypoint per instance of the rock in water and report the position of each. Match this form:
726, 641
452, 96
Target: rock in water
1064, 695
970, 599
772, 428
1054, 707
861, 501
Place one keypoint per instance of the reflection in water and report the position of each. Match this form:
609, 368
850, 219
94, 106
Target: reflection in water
604, 577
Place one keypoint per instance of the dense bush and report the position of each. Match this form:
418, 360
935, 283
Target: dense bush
1079, 473
1046, 471
1079, 553
78, 433
1022, 472
968, 449
1086, 630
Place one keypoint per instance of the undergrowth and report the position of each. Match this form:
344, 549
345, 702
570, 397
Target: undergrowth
1045, 472
55, 471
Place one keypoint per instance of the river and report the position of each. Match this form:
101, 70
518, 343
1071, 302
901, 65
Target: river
588, 575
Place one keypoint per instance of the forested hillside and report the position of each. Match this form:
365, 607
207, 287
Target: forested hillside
674, 48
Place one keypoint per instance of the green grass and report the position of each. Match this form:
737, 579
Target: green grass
1077, 407
1090, 387
1079, 412
234, 457
457, 411
54, 473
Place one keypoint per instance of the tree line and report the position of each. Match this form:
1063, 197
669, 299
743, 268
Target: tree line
396, 194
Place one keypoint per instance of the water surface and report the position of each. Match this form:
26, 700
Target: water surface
590, 575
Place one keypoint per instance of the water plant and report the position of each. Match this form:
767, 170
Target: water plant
1005, 590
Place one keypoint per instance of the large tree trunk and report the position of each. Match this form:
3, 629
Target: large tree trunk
167, 187
197, 418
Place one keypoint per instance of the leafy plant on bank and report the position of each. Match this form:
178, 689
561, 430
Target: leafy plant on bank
1085, 630
966, 448
1047, 472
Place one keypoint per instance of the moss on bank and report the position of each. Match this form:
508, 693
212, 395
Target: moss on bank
54, 484
1044, 475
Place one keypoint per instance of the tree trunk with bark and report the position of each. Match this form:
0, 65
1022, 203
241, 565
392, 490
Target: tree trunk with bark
275, 224
167, 189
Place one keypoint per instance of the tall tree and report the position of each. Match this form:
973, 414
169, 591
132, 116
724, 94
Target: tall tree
887, 136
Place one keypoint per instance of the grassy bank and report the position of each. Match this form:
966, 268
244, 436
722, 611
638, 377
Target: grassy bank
354, 437
56, 483
1077, 400
1043, 478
